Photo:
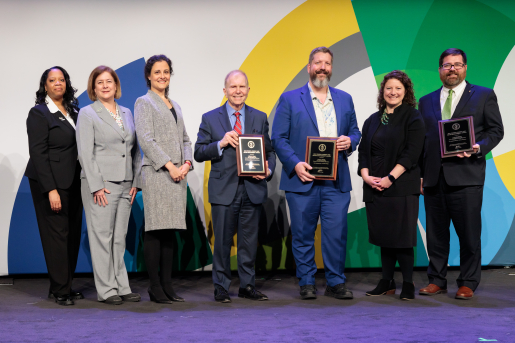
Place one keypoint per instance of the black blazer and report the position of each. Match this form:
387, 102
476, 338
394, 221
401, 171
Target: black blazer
405, 131
52, 149
478, 102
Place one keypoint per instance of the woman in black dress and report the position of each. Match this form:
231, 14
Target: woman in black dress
389, 151
53, 172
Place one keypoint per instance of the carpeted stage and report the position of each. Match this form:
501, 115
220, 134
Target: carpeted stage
26, 315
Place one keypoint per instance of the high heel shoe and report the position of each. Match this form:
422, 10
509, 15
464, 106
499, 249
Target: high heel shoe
157, 295
383, 287
408, 291
170, 293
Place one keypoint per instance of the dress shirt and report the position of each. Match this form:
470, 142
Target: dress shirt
232, 119
326, 116
52, 107
458, 92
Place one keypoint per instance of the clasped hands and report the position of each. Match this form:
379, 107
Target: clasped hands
378, 183
177, 174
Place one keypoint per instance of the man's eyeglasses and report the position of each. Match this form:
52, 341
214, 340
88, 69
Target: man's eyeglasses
448, 66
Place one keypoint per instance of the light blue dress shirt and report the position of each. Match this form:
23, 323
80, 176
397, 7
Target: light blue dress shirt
232, 119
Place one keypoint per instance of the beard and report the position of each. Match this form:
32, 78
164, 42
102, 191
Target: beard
449, 83
320, 83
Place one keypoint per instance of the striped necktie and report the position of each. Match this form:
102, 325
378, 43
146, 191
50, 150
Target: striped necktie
447, 107
237, 125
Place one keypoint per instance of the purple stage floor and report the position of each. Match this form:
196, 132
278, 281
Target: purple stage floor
26, 315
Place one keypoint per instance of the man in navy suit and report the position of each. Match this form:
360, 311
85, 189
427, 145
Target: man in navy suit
453, 186
316, 110
236, 202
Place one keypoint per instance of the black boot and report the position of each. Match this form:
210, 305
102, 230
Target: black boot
408, 291
383, 287
170, 293
157, 295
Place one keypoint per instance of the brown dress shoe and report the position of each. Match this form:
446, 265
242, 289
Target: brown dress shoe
432, 289
464, 293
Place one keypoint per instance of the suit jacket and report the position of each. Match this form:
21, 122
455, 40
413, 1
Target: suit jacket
478, 102
406, 133
106, 153
52, 149
295, 120
223, 179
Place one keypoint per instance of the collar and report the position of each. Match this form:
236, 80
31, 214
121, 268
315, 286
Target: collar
231, 111
313, 96
52, 107
459, 89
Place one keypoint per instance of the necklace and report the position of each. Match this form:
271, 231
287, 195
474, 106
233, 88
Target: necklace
385, 118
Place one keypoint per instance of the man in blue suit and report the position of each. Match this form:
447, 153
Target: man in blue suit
316, 110
453, 186
236, 202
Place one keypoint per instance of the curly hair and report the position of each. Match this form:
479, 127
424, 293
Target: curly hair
70, 102
150, 63
409, 96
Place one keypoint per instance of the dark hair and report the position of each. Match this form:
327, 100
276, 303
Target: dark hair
93, 78
409, 96
453, 52
70, 102
320, 49
150, 63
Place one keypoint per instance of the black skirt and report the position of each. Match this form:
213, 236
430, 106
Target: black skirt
392, 221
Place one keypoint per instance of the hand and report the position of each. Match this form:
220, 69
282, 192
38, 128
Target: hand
175, 173
133, 193
373, 182
302, 172
231, 138
464, 154
184, 169
343, 143
385, 182
422, 186
261, 177
55, 200
99, 197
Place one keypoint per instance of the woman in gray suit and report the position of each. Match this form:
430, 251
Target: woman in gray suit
110, 178
166, 162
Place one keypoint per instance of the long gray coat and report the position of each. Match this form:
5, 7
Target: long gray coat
162, 140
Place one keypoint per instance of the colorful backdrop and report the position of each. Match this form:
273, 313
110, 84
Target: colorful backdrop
270, 41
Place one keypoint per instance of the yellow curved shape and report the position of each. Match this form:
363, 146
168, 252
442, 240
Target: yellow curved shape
282, 52
505, 165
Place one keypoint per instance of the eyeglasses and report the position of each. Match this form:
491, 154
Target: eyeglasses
448, 66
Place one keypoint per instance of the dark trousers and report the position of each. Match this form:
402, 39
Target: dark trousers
462, 205
242, 215
60, 233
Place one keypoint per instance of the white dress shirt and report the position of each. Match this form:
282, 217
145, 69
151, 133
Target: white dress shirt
458, 92
326, 116
52, 107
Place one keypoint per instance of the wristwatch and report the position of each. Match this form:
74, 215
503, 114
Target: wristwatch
391, 178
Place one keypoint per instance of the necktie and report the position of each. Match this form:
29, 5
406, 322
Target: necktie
237, 125
447, 107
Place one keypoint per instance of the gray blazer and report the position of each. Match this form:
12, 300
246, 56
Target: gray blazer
162, 140
106, 153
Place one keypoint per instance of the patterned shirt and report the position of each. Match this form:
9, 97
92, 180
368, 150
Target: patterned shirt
326, 116
117, 118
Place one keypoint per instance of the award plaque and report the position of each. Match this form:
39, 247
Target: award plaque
456, 136
250, 155
322, 155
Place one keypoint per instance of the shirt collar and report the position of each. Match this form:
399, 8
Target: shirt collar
231, 111
51, 105
313, 96
458, 89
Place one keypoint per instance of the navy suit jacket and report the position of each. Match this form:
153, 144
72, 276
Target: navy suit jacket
478, 102
223, 178
295, 120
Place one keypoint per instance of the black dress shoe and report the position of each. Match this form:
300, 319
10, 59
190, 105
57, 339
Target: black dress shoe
170, 293
308, 292
114, 300
339, 291
157, 295
251, 293
408, 291
383, 287
221, 294
131, 297
76, 295
63, 300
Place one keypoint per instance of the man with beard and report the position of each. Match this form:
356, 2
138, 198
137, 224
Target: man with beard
316, 110
453, 187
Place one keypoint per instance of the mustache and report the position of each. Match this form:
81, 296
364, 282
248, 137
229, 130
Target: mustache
322, 71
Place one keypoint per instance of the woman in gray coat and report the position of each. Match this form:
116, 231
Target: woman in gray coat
110, 178
166, 162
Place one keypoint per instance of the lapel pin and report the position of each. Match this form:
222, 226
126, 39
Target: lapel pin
62, 118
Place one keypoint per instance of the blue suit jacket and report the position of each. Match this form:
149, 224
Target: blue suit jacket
478, 102
295, 120
223, 179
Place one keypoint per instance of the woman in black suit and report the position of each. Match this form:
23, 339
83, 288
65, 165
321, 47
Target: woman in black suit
389, 151
53, 172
